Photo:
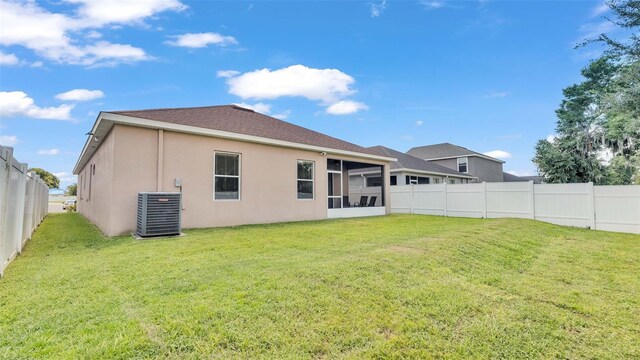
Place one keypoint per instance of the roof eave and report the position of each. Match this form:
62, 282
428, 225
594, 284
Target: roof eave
433, 172
113, 118
466, 155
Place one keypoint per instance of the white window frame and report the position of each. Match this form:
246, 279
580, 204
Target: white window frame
367, 179
239, 176
466, 161
312, 180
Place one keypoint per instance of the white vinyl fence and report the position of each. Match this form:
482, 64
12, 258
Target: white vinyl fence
610, 208
23, 205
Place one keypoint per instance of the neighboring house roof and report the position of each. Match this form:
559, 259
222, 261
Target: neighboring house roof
506, 177
226, 121
535, 178
445, 151
513, 178
408, 162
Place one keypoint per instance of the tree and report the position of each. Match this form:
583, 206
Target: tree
51, 180
627, 16
72, 190
601, 115
574, 155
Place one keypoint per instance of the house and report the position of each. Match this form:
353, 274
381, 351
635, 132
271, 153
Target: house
461, 159
232, 165
407, 169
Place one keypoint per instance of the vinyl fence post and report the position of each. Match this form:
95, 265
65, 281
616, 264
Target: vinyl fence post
411, 197
444, 195
484, 199
591, 206
532, 199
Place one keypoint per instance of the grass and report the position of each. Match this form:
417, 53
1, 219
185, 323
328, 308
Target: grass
400, 286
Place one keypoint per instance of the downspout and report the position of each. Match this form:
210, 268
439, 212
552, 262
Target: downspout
160, 165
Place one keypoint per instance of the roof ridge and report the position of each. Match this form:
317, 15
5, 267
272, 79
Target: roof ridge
180, 108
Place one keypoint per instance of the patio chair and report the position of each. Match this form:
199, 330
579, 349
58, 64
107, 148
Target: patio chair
362, 202
372, 202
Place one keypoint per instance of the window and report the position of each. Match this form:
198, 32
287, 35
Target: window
226, 176
452, 181
417, 180
436, 180
393, 180
462, 165
374, 181
305, 179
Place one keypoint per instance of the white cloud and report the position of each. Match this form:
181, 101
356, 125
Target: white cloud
8, 140
258, 107
265, 109
419, 122
49, 152
600, 9
593, 30
200, 40
433, 4
551, 138
17, 103
80, 95
102, 12
497, 94
498, 154
65, 177
283, 115
227, 73
377, 8
65, 39
326, 85
93, 35
345, 107
8, 59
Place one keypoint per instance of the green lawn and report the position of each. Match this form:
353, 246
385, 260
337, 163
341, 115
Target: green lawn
400, 286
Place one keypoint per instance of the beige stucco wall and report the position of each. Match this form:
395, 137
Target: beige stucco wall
268, 180
95, 188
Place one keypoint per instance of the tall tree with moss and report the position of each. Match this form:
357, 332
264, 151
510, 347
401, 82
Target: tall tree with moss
599, 120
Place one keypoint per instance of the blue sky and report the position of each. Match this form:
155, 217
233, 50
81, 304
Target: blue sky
486, 75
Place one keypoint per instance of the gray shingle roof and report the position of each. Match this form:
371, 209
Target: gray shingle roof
444, 150
235, 119
406, 161
506, 177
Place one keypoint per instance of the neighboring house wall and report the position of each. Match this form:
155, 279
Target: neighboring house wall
448, 163
268, 178
485, 170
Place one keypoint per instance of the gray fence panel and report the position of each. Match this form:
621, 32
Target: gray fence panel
611, 208
23, 205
